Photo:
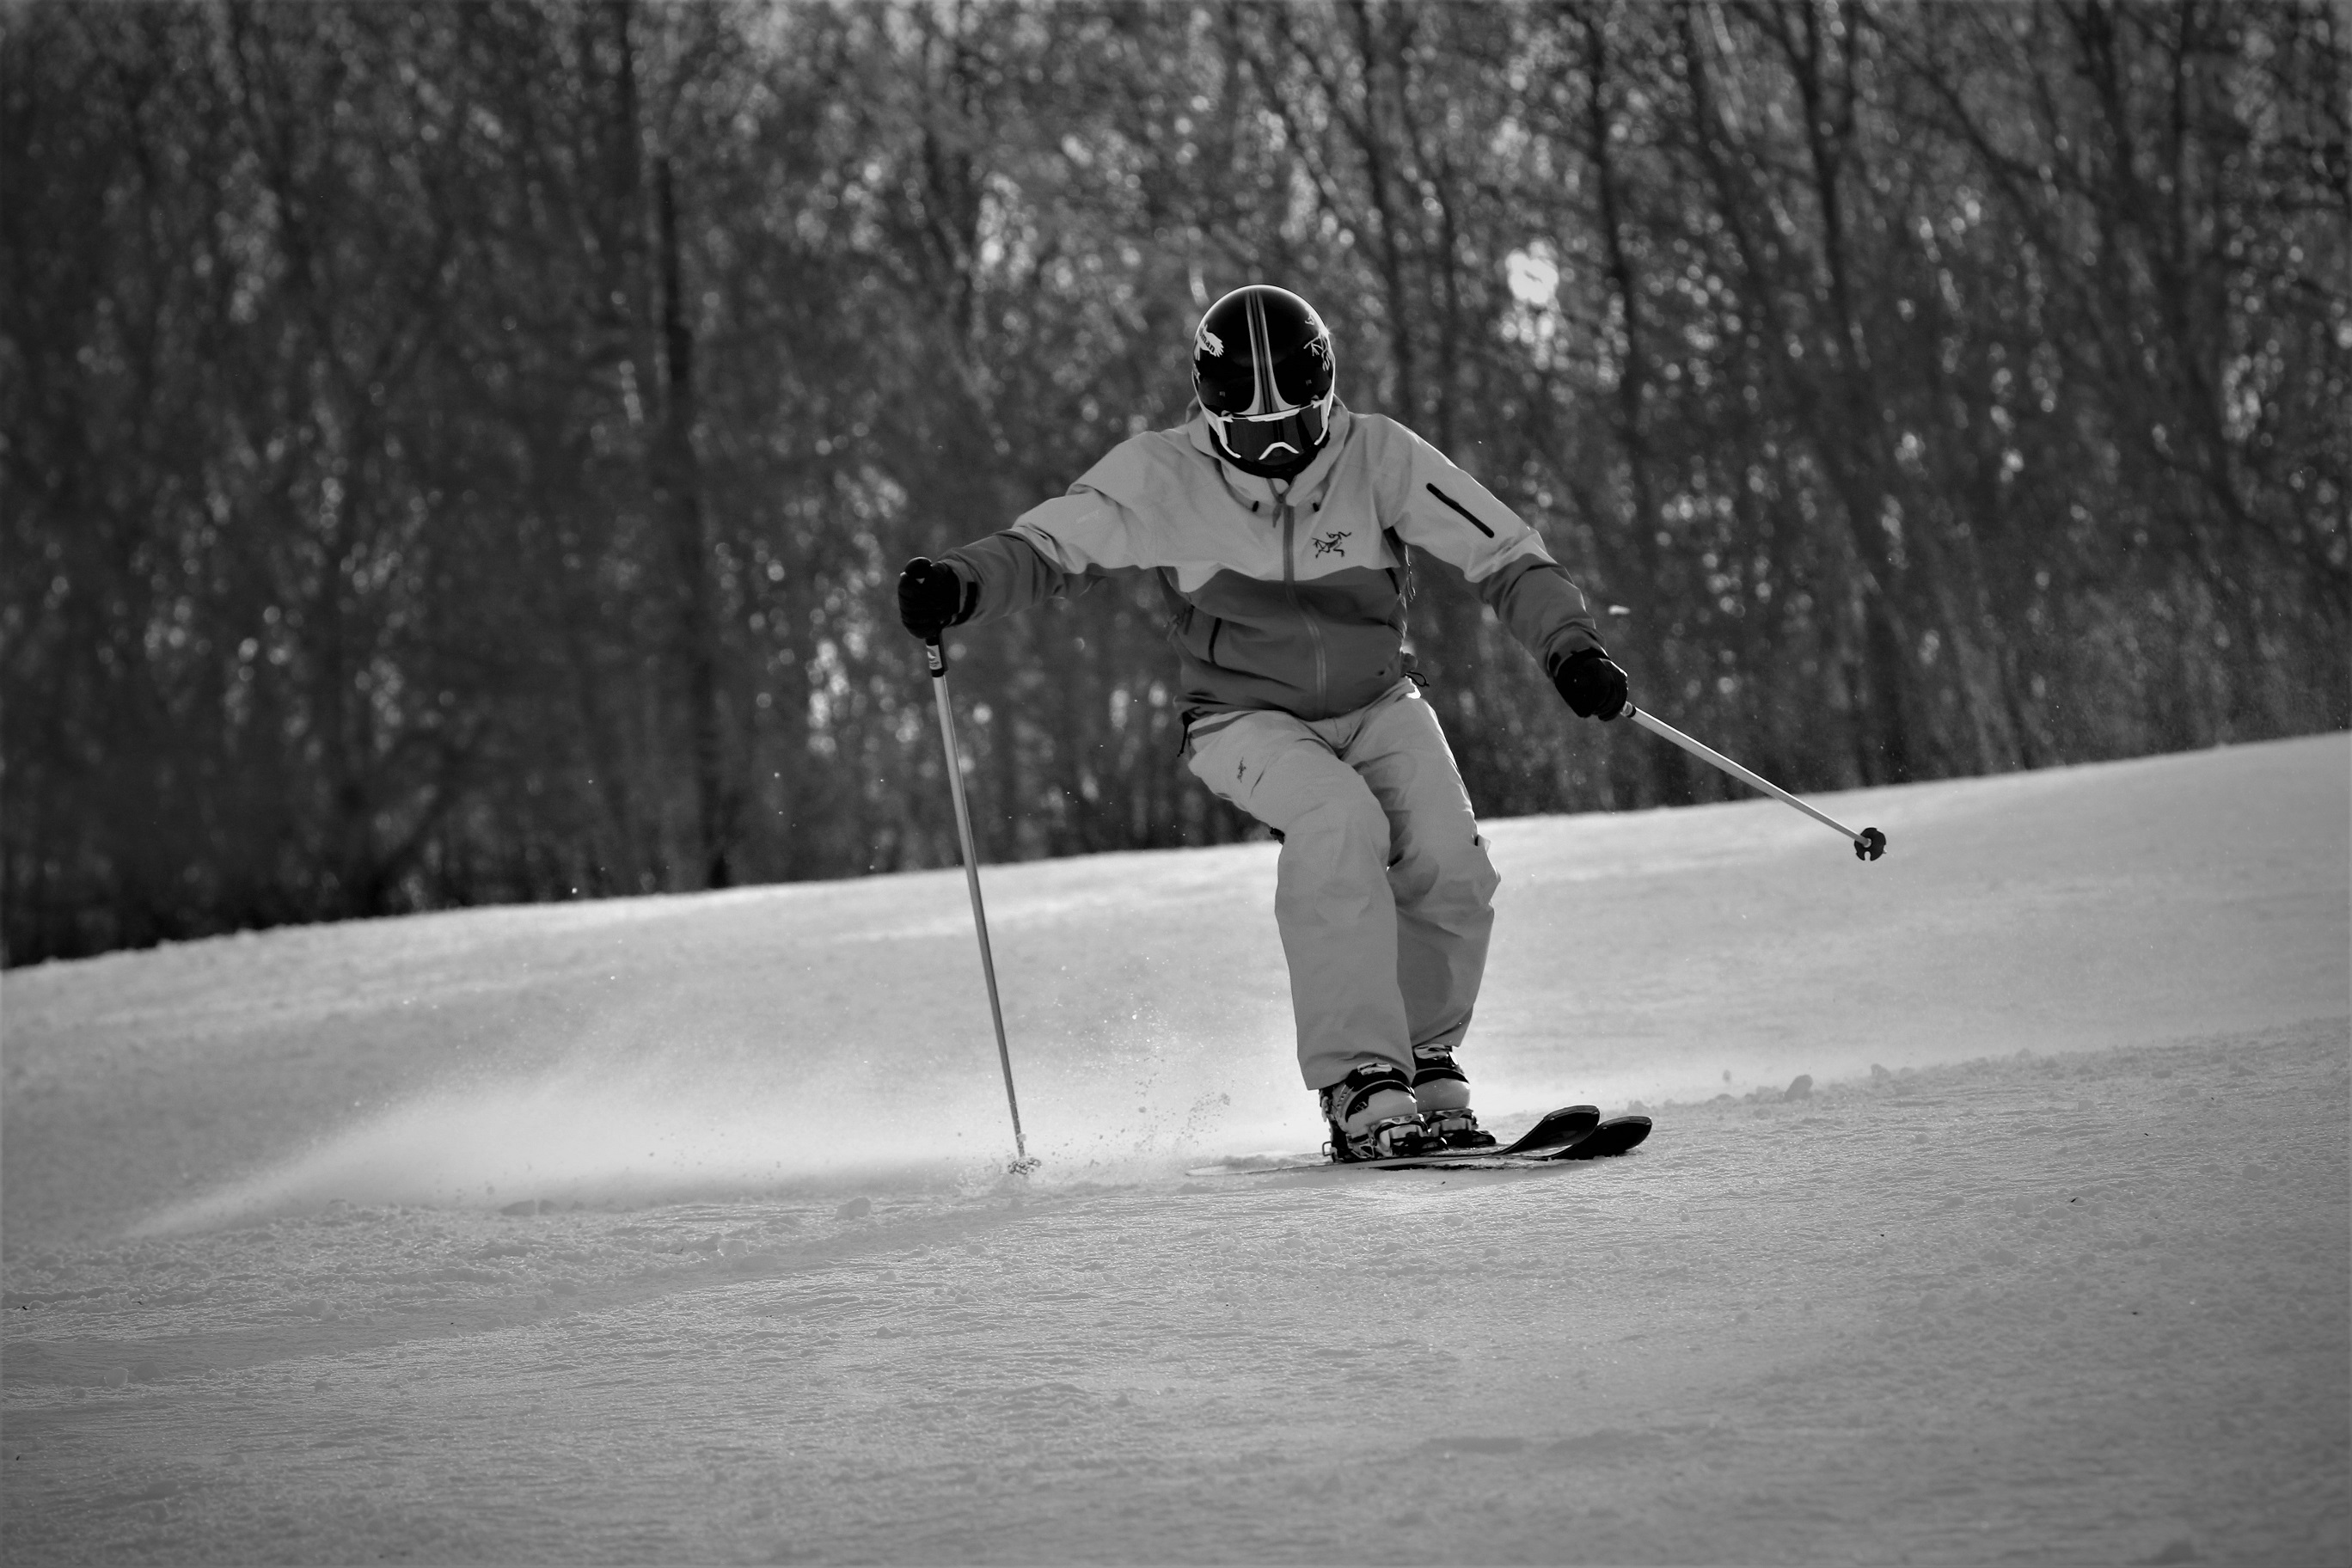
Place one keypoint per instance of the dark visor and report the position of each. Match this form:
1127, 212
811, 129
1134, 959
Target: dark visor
1230, 386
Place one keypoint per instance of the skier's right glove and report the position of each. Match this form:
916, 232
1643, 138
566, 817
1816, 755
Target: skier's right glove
1591, 683
932, 597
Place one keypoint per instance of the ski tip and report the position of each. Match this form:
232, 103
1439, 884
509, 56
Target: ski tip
1555, 1128
1618, 1135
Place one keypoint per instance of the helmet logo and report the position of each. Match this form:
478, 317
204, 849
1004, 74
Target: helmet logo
1209, 343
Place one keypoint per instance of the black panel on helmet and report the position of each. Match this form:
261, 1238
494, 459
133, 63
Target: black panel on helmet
1262, 364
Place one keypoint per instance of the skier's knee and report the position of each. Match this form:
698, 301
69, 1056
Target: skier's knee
1332, 864
1345, 828
1450, 871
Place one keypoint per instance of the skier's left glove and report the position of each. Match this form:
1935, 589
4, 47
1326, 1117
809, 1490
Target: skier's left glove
1591, 683
933, 597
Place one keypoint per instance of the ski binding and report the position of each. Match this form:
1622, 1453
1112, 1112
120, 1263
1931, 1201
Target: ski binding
1571, 1132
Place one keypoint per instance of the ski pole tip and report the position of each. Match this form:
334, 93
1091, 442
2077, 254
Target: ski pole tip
1869, 844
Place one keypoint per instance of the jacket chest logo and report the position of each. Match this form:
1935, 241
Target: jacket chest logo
1329, 541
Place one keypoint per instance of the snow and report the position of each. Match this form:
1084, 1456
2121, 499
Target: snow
677, 1229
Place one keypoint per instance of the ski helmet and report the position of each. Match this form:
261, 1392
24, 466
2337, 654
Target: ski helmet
1262, 365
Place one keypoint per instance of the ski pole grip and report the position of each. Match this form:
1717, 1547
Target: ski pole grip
937, 655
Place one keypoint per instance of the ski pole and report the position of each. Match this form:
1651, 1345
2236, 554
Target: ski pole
938, 655
1868, 845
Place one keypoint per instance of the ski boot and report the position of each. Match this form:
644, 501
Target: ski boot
1443, 1093
1372, 1116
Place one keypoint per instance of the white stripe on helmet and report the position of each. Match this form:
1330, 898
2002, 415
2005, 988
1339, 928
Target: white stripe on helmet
1266, 398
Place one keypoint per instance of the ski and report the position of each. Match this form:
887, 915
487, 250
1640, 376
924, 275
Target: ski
1571, 1132
1605, 1140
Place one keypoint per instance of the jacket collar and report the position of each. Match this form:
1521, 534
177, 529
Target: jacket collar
1302, 487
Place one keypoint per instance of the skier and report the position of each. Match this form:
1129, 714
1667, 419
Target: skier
1276, 521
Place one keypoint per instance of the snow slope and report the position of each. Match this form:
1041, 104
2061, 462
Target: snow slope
673, 1229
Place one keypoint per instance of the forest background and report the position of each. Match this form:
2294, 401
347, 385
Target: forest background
461, 453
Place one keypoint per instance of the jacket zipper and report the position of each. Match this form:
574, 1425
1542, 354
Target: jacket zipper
1290, 587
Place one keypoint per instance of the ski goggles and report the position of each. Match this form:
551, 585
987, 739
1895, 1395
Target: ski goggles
1267, 438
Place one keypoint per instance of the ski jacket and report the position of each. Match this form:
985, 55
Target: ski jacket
1288, 597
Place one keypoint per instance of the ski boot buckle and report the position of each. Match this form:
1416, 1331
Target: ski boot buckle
1398, 1138
1456, 1129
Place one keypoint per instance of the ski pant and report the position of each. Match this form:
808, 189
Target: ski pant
1384, 895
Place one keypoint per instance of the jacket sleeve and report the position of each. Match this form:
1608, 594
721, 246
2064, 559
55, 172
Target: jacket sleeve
1051, 551
1428, 501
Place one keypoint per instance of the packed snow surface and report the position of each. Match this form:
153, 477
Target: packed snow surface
677, 1229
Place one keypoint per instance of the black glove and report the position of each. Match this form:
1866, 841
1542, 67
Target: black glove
1592, 684
931, 598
